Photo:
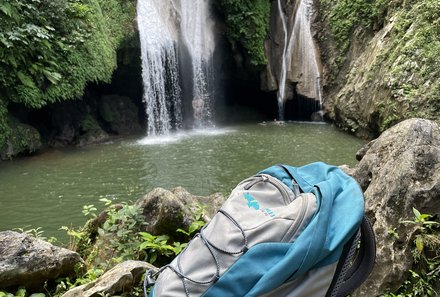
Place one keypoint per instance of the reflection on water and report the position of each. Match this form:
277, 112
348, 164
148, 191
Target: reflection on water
50, 189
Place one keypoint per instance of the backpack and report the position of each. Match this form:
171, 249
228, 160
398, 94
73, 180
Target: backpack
287, 231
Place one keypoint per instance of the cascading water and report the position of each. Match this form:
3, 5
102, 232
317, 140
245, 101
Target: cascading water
198, 37
299, 61
165, 26
160, 72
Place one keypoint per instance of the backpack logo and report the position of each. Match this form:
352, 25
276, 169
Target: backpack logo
251, 202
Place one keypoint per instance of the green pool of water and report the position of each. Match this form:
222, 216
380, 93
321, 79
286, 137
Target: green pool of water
49, 190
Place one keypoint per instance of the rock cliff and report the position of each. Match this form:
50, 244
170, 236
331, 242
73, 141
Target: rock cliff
380, 63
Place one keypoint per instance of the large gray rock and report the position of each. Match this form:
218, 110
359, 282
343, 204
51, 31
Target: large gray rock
398, 171
120, 278
29, 262
166, 211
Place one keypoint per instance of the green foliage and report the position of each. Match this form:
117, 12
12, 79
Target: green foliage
21, 292
198, 222
155, 246
37, 233
344, 16
426, 253
247, 23
50, 50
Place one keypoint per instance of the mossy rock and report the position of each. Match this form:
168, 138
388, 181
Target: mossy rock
120, 113
23, 140
91, 131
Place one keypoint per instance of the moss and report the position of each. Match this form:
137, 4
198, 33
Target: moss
90, 125
412, 63
406, 71
106, 112
344, 16
248, 24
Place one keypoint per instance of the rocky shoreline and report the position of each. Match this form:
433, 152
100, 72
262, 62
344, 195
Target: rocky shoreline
398, 171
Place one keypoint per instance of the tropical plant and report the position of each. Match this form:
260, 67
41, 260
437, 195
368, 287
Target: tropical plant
50, 50
426, 254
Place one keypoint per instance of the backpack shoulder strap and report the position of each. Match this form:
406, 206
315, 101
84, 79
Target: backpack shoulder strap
348, 277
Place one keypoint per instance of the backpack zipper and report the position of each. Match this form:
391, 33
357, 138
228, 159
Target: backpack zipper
300, 219
273, 181
284, 190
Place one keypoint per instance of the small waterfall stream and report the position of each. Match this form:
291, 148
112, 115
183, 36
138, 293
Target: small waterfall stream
198, 36
300, 62
164, 27
282, 84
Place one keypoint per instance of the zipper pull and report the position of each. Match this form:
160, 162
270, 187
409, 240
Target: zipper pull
296, 190
295, 185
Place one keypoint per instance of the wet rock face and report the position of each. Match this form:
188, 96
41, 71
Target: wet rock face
29, 262
398, 171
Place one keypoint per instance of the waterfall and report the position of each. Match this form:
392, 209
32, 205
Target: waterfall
300, 62
198, 37
160, 72
165, 26
282, 84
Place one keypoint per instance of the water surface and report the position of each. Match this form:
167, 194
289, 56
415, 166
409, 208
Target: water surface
49, 190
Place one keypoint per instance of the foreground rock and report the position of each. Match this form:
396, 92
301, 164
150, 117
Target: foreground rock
398, 171
119, 279
166, 211
29, 262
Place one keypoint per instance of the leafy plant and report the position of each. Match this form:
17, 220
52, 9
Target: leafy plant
21, 292
197, 224
158, 245
426, 254
426, 236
